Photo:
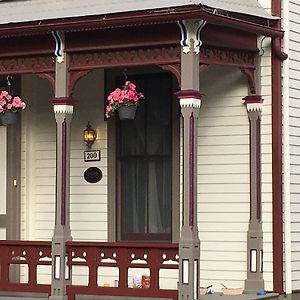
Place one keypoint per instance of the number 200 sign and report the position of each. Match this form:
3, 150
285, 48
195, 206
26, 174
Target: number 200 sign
92, 155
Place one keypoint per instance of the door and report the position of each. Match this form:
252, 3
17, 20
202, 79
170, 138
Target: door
144, 163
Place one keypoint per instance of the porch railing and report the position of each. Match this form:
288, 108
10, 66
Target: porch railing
29, 255
150, 258
111, 268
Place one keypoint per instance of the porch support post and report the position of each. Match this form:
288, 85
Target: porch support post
254, 281
190, 102
63, 109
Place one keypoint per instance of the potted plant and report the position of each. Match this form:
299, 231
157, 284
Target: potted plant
9, 107
124, 100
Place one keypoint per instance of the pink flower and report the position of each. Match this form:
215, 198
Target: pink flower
1, 108
8, 103
125, 96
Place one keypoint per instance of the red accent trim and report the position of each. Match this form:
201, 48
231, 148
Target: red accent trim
277, 163
191, 170
258, 169
183, 94
63, 175
253, 99
62, 101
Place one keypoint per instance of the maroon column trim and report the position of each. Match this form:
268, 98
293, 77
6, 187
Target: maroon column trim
183, 174
64, 171
56, 177
191, 169
62, 101
258, 168
183, 94
250, 164
277, 163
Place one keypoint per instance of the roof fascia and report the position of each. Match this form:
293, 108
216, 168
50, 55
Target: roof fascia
138, 18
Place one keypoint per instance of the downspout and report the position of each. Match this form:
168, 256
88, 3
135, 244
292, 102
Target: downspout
277, 207
286, 151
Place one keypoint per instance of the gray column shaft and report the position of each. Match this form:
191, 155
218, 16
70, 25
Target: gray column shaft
63, 108
254, 281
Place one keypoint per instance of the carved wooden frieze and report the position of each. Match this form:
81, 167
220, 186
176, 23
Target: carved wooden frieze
228, 57
23, 65
167, 57
126, 57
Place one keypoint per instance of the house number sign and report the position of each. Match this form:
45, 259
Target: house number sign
93, 155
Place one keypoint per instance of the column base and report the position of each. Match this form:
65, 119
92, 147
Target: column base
252, 286
58, 297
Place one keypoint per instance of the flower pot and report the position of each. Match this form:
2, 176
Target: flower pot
127, 112
8, 117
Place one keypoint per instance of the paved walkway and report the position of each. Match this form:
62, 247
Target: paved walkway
219, 296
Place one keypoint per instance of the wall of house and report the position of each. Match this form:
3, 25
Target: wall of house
265, 89
294, 108
223, 179
88, 201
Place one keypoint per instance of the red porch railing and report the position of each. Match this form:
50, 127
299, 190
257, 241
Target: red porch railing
28, 254
121, 257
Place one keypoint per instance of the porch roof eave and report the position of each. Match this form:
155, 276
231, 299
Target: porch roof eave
141, 18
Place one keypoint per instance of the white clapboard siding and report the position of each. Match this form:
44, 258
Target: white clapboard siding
88, 201
223, 178
294, 90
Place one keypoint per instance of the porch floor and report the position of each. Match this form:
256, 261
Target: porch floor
220, 296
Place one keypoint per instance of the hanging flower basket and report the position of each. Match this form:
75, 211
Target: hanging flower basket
8, 117
9, 107
124, 100
127, 112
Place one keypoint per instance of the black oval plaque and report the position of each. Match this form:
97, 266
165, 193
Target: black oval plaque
93, 175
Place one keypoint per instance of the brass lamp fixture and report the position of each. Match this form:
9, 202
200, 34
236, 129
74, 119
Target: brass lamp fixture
89, 135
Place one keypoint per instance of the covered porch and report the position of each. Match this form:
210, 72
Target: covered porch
86, 67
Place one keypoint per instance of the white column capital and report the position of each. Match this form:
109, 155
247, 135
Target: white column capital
64, 105
189, 98
254, 103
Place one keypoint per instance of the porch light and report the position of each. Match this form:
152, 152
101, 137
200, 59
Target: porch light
89, 135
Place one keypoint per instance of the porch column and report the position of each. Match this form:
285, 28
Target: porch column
254, 281
190, 102
63, 109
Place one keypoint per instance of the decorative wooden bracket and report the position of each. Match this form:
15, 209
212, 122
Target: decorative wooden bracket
48, 76
74, 76
203, 67
249, 73
175, 69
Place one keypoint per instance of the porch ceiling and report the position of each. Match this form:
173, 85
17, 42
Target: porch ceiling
38, 10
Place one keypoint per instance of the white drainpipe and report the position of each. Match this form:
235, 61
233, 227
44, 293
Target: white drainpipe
286, 150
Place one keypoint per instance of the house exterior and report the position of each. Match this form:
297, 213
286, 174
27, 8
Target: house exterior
191, 189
